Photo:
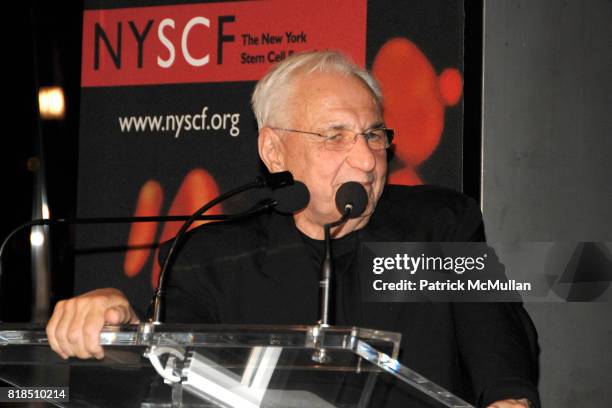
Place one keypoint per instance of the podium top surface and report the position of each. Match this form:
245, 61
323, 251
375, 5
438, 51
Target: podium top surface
346, 360
225, 336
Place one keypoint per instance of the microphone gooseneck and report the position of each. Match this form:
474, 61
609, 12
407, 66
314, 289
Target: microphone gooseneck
287, 196
98, 220
275, 181
351, 201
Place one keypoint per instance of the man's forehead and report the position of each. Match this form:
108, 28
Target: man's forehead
340, 117
321, 83
335, 101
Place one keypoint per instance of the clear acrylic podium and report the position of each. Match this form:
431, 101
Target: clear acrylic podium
222, 366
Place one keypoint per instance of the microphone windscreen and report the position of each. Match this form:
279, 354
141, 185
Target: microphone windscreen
354, 194
278, 180
291, 198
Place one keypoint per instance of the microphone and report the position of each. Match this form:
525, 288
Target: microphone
353, 195
285, 201
287, 196
351, 201
275, 180
291, 198
281, 198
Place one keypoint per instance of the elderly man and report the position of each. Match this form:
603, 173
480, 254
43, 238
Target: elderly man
320, 117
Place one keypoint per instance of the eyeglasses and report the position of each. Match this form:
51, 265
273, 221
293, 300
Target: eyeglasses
344, 139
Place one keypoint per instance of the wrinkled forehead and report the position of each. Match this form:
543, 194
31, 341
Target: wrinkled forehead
333, 99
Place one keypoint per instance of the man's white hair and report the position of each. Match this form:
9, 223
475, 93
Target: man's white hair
271, 94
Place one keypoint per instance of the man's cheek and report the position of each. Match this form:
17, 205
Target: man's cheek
381, 167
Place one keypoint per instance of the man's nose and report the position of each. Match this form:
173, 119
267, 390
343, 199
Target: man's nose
361, 156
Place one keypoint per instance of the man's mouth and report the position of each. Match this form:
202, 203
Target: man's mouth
364, 183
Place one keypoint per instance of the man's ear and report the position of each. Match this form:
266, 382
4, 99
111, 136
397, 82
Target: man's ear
271, 150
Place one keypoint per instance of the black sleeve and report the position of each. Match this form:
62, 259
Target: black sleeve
497, 341
187, 299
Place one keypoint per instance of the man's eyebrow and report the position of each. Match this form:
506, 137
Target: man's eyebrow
342, 126
376, 125
338, 126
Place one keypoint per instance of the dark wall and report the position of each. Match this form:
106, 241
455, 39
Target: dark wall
547, 172
43, 49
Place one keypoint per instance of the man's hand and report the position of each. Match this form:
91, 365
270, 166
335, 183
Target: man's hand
75, 326
510, 403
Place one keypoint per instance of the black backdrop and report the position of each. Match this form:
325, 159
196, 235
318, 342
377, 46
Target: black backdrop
121, 172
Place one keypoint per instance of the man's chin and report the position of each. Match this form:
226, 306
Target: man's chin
364, 218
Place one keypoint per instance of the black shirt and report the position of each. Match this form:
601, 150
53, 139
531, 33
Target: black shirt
259, 271
345, 299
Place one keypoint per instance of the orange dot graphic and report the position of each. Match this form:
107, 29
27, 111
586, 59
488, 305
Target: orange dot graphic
198, 187
148, 204
415, 102
451, 86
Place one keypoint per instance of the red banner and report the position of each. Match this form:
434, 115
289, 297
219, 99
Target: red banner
215, 42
